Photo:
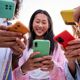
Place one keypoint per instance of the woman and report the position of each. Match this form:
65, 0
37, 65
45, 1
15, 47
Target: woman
50, 67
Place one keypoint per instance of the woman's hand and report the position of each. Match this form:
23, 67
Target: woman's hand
47, 63
32, 63
8, 38
19, 46
73, 50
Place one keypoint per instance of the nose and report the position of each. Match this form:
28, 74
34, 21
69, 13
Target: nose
40, 24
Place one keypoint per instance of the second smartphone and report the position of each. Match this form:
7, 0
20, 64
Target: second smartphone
42, 46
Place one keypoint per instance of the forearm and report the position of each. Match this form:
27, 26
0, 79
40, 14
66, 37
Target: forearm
72, 67
17, 75
15, 60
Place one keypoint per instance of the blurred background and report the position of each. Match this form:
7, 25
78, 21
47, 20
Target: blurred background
53, 7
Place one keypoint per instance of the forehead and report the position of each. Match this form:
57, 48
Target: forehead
41, 16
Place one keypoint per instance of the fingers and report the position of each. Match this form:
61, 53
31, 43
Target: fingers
7, 39
73, 53
9, 33
73, 47
37, 65
47, 57
37, 60
76, 41
25, 40
33, 54
17, 50
7, 44
19, 47
47, 65
20, 43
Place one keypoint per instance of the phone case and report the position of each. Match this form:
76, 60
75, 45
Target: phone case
7, 8
67, 16
42, 46
63, 38
18, 27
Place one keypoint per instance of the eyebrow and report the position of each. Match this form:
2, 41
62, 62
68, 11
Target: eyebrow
39, 19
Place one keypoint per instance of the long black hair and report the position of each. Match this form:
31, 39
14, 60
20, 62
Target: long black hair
18, 2
47, 36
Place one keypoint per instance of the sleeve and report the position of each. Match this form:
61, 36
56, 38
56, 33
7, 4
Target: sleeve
17, 75
78, 71
68, 74
59, 59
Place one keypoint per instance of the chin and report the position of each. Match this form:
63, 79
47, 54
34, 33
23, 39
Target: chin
38, 34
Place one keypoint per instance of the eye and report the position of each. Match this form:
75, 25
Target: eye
37, 21
44, 22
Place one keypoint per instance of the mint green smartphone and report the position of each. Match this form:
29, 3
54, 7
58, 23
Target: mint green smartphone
42, 46
7, 9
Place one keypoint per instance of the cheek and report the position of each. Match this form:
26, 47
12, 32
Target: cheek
46, 28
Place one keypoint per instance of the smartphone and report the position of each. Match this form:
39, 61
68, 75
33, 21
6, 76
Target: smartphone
42, 46
18, 27
67, 16
7, 9
63, 38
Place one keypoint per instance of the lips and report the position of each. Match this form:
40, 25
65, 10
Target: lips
39, 30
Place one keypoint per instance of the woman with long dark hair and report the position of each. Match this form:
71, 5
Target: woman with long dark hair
43, 68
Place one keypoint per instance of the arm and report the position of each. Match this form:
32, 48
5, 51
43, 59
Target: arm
72, 53
69, 75
26, 64
59, 61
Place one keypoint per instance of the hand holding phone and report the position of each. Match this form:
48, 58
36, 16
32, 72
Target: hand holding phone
18, 27
63, 38
67, 16
7, 9
42, 46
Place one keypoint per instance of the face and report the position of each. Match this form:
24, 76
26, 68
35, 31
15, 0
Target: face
40, 24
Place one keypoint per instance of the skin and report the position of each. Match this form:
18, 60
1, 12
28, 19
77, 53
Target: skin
12, 40
72, 51
76, 15
40, 27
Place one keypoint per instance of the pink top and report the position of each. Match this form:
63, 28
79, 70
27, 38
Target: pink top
56, 74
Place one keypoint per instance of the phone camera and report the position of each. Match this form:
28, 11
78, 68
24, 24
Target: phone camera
35, 44
18, 25
59, 39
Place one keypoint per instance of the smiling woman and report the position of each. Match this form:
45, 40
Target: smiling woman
40, 25
46, 67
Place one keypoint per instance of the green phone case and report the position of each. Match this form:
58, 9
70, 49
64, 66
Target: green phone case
42, 46
7, 8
